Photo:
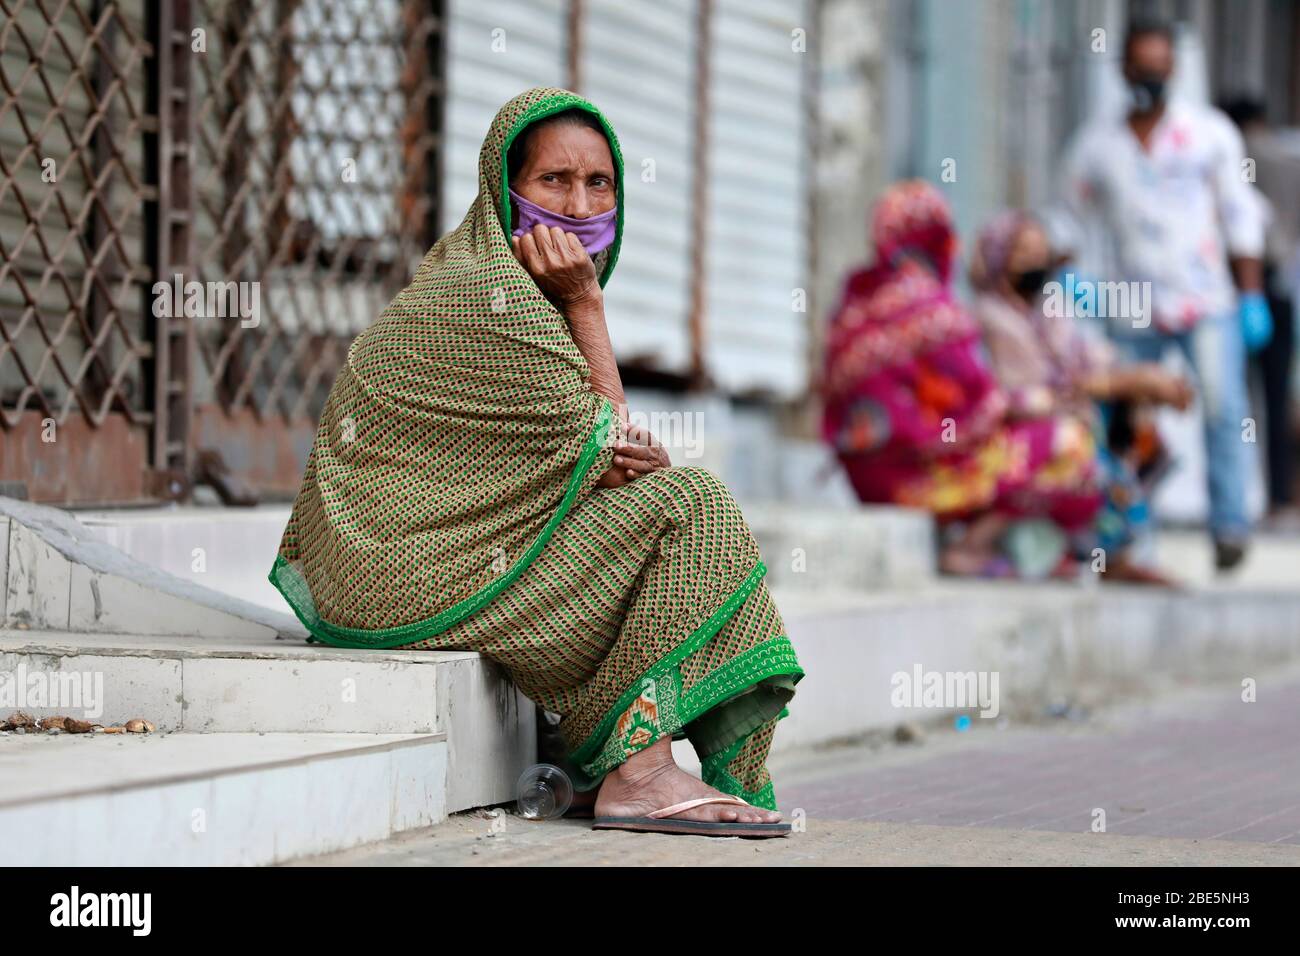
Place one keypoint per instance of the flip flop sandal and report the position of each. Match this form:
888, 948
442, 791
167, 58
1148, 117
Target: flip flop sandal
658, 822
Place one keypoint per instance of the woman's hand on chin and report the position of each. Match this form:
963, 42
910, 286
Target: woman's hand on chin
558, 264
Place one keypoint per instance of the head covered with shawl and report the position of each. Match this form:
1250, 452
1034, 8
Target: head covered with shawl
901, 305
995, 247
1036, 358
456, 436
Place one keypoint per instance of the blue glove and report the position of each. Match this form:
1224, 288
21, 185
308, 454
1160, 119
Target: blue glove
1256, 321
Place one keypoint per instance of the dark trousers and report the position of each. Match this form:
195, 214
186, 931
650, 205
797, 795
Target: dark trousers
1274, 363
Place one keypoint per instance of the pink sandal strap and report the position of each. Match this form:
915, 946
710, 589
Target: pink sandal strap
692, 804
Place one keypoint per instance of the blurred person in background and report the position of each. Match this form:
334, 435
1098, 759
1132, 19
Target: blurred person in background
1165, 182
916, 416
1051, 367
1277, 177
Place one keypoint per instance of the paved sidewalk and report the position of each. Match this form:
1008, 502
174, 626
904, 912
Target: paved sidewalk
467, 840
1202, 766
1197, 779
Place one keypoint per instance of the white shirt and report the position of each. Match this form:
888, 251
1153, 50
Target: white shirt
1172, 214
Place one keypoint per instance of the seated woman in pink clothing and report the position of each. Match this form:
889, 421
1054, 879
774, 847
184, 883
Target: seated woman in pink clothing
916, 416
1051, 368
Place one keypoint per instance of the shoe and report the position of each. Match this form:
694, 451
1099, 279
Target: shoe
658, 822
1228, 553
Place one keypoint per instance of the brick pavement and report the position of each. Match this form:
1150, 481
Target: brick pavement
1197, 779
1206, 766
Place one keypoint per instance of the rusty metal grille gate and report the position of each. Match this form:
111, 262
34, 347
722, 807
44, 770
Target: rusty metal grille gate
201, 203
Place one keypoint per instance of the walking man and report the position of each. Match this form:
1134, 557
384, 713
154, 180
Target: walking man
1167, 186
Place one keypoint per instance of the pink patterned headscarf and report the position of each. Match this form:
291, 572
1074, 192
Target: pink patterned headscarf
913, 217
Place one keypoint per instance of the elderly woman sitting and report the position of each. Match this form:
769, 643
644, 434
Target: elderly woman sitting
473, 485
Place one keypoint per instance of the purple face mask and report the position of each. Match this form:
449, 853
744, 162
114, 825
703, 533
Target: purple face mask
595, 232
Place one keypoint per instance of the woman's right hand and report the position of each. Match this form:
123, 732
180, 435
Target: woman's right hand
558, 264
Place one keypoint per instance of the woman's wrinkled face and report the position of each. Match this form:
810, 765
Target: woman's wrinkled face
568, 170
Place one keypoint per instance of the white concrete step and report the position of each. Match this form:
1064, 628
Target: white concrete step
861, 549
229, 550
265, 685
1048, 644
213, 799
813, 548
1272, 561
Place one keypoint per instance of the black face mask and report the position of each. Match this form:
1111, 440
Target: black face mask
1148, 92
1030, 282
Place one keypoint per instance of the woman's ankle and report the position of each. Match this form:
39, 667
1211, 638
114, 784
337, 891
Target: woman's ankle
650, 762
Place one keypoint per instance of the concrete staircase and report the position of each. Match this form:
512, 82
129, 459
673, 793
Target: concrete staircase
284, 749
295, 748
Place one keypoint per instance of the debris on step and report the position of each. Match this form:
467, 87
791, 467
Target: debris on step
23, 723
18, 721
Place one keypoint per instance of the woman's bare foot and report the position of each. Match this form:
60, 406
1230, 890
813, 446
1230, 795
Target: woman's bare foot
649, 780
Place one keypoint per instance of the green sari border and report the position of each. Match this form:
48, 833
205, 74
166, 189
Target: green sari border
770, 658
337, 635
596, 739
774, 657
713, 770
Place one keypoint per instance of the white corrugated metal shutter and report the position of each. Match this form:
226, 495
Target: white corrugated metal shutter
638, 66
757, 238
480, 79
